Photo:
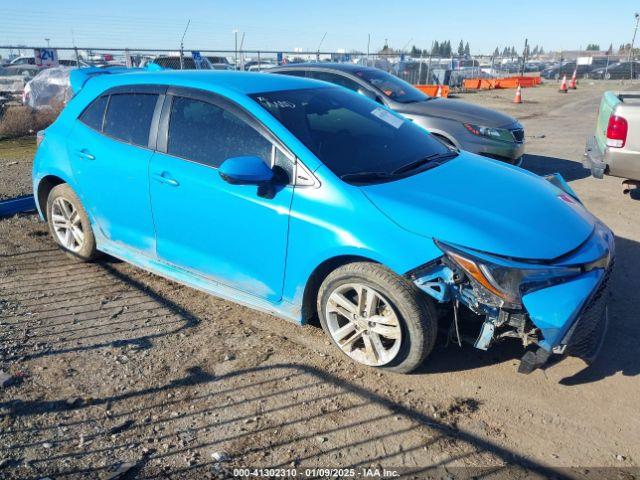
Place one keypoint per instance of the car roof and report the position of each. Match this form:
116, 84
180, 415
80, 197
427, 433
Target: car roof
241, 82
344, 67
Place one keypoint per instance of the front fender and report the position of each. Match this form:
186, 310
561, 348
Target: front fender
329, 222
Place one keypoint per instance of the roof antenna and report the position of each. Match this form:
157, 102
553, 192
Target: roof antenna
182, 45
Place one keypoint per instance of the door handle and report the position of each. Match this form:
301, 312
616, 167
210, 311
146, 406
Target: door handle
84, 153
165, 177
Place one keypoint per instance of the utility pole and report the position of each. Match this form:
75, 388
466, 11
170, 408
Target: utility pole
235, 33
47, 40
368, 45
633, 41
241, 54
182, 45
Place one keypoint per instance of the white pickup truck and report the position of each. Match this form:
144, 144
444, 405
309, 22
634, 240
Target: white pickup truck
615, 148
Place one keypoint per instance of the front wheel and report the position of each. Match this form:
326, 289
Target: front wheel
69, 224
376, 317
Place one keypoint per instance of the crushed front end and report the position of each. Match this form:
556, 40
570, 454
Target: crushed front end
553, 307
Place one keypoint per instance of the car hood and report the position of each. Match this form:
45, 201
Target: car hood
457, 110
486, 205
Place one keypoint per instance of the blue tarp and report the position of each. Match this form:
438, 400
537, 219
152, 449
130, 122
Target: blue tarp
12, 206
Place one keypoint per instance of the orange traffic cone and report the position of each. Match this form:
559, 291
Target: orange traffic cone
563, 87
439, 91
574, 80
518, 97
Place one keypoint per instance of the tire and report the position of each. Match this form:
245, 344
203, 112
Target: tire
65, 213
409, 319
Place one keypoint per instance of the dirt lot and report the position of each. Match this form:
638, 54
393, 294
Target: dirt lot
114, 368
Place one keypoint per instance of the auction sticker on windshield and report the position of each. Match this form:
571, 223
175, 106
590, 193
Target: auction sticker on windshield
388, 117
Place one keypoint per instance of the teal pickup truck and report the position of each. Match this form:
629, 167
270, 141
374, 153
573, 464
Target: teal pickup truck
615, 148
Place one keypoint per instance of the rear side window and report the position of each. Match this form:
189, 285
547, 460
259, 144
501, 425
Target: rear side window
94, 113
294, 73
129, 117
334, 78
205, 133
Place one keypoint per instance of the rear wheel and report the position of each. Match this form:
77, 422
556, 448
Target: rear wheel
376, 317
69, 224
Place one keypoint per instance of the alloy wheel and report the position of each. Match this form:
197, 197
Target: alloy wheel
67, 224
363, 323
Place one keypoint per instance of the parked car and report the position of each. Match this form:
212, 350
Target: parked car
615, 148
459, 124
23, 60
306, 200
556, 72
26, 70
258, 66
173, 62
617, 71
559, 70
219, 63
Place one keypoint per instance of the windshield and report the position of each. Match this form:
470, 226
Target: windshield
394, 88
358, 139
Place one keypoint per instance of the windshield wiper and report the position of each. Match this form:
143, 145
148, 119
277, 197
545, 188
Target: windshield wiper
429, 159
363, 176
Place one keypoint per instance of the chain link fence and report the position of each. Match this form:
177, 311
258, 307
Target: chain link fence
18, 65
418, 70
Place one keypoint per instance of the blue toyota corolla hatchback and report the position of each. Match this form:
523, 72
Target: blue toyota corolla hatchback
306, 200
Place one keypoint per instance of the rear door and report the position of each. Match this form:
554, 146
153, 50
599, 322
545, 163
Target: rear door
228, 233
110, 154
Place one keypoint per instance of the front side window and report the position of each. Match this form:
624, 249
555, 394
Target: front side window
128, 117
392, 87
359, 140
205, 133
93, 115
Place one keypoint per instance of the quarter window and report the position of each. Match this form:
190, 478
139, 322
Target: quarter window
205, 133
94, 113
129, 117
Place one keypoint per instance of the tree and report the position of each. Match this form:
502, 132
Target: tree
467, 50
610, 49
434, 48
593, 47
496, 52
461, 48
415, 51
447, 49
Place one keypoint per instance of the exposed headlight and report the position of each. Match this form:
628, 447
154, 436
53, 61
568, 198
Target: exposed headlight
504, 279
496, 133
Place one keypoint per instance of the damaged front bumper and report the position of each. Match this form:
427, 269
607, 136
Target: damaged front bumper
553, 314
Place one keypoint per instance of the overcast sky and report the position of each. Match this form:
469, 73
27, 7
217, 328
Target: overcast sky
289, 24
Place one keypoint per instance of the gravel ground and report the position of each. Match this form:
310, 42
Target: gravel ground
16, 159
115, 370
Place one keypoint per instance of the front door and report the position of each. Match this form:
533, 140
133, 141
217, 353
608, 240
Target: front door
109, 152
225, 232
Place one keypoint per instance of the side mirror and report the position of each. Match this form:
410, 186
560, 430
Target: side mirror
245, 171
